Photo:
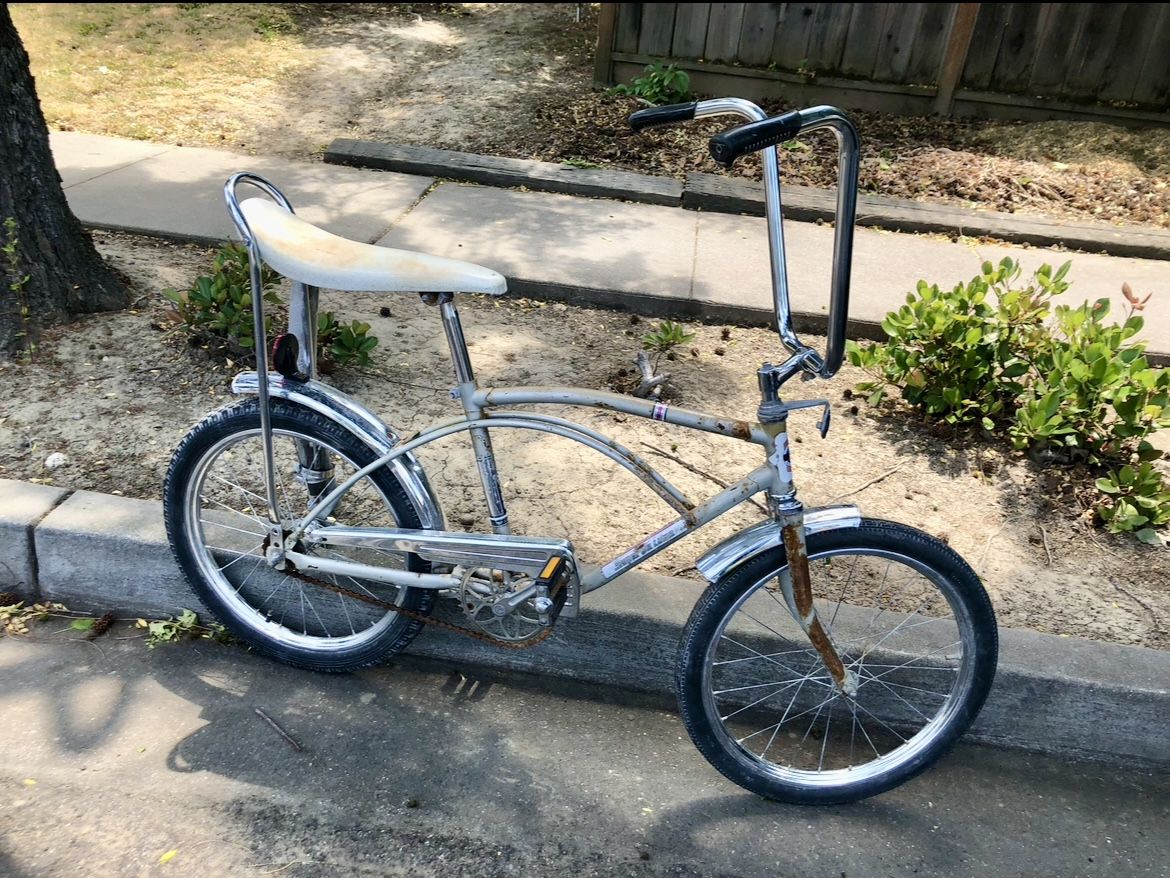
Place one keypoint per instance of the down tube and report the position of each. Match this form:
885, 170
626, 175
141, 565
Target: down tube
758, 480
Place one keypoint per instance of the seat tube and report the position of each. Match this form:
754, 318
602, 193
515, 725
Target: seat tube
481, 442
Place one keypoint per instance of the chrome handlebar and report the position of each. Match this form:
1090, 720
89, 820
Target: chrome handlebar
812, 119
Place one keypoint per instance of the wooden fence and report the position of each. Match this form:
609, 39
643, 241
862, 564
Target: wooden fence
1026, 60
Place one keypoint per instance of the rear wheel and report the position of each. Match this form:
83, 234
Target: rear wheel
214, 505
909, 618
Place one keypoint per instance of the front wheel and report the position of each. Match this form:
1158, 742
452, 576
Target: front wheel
909, 618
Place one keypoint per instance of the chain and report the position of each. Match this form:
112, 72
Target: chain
421, 617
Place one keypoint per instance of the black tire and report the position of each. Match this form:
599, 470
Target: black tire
741, 648
212, 497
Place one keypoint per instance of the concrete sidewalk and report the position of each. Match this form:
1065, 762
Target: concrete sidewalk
661, 260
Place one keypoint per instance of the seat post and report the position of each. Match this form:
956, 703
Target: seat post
453, 329
485, 458
302, 323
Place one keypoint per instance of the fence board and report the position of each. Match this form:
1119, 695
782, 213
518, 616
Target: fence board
790, 43
723, 31
1124, 69
1017, 53
657, 28
629, 22
901, 27
864, 39
1152, 88
929, 43
1117, 54
1055, 47
986, 43
690, 30
826, 43
757, 33
1093, 49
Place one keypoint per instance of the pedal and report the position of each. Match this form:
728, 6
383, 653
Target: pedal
556, 581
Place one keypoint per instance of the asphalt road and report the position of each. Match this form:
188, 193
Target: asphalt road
116, 757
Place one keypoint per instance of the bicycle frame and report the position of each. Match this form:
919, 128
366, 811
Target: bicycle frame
789, 519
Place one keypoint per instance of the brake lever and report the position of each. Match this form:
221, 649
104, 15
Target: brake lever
826, 416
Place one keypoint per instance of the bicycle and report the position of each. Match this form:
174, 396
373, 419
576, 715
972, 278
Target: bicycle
831, 658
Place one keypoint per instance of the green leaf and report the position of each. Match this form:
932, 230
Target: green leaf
1150, 537
82, 624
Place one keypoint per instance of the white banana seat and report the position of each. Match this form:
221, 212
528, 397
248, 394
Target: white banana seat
303, 252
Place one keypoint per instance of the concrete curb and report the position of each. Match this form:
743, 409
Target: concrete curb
99, 553
715, 193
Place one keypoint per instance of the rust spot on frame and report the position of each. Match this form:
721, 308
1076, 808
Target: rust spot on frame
741, 430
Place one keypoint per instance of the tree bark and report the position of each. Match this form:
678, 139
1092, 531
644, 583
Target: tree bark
42, 239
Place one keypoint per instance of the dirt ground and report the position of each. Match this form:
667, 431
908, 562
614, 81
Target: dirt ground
114, 393
516, 80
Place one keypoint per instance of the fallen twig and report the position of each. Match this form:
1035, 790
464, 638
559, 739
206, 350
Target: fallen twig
289, 738
718, 481
1047, 551
870, 483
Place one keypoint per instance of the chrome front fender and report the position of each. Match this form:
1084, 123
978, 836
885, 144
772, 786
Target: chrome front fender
736, 549
351, 415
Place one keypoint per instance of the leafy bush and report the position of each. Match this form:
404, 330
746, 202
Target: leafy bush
1136, 499
995, 353
1096, 395
963, 355
342, 345
660, 85
218, 307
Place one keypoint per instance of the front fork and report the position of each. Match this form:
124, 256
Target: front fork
788, 512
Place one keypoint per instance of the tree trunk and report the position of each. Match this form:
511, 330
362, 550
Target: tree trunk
48, 262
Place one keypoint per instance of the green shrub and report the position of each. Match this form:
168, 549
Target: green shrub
963, 355
1096, 396
995, 353
1136, 499
661, 84
218, 308
343, 345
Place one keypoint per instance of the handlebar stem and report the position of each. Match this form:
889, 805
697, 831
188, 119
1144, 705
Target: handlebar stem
779, 264
846, 214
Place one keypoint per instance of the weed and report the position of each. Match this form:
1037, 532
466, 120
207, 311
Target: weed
218, 308
665, 338
342, 345
186, 625
575, 162
660, 85
16, 617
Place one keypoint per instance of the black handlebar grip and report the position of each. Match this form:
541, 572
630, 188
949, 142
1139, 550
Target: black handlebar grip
652, 117
730, 145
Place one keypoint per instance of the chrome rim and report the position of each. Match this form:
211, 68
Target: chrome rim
226, 527
899, 627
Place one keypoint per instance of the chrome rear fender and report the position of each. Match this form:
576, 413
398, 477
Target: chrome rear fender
351, 415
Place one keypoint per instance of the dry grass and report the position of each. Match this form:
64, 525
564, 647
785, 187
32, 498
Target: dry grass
514, 80
156, 72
